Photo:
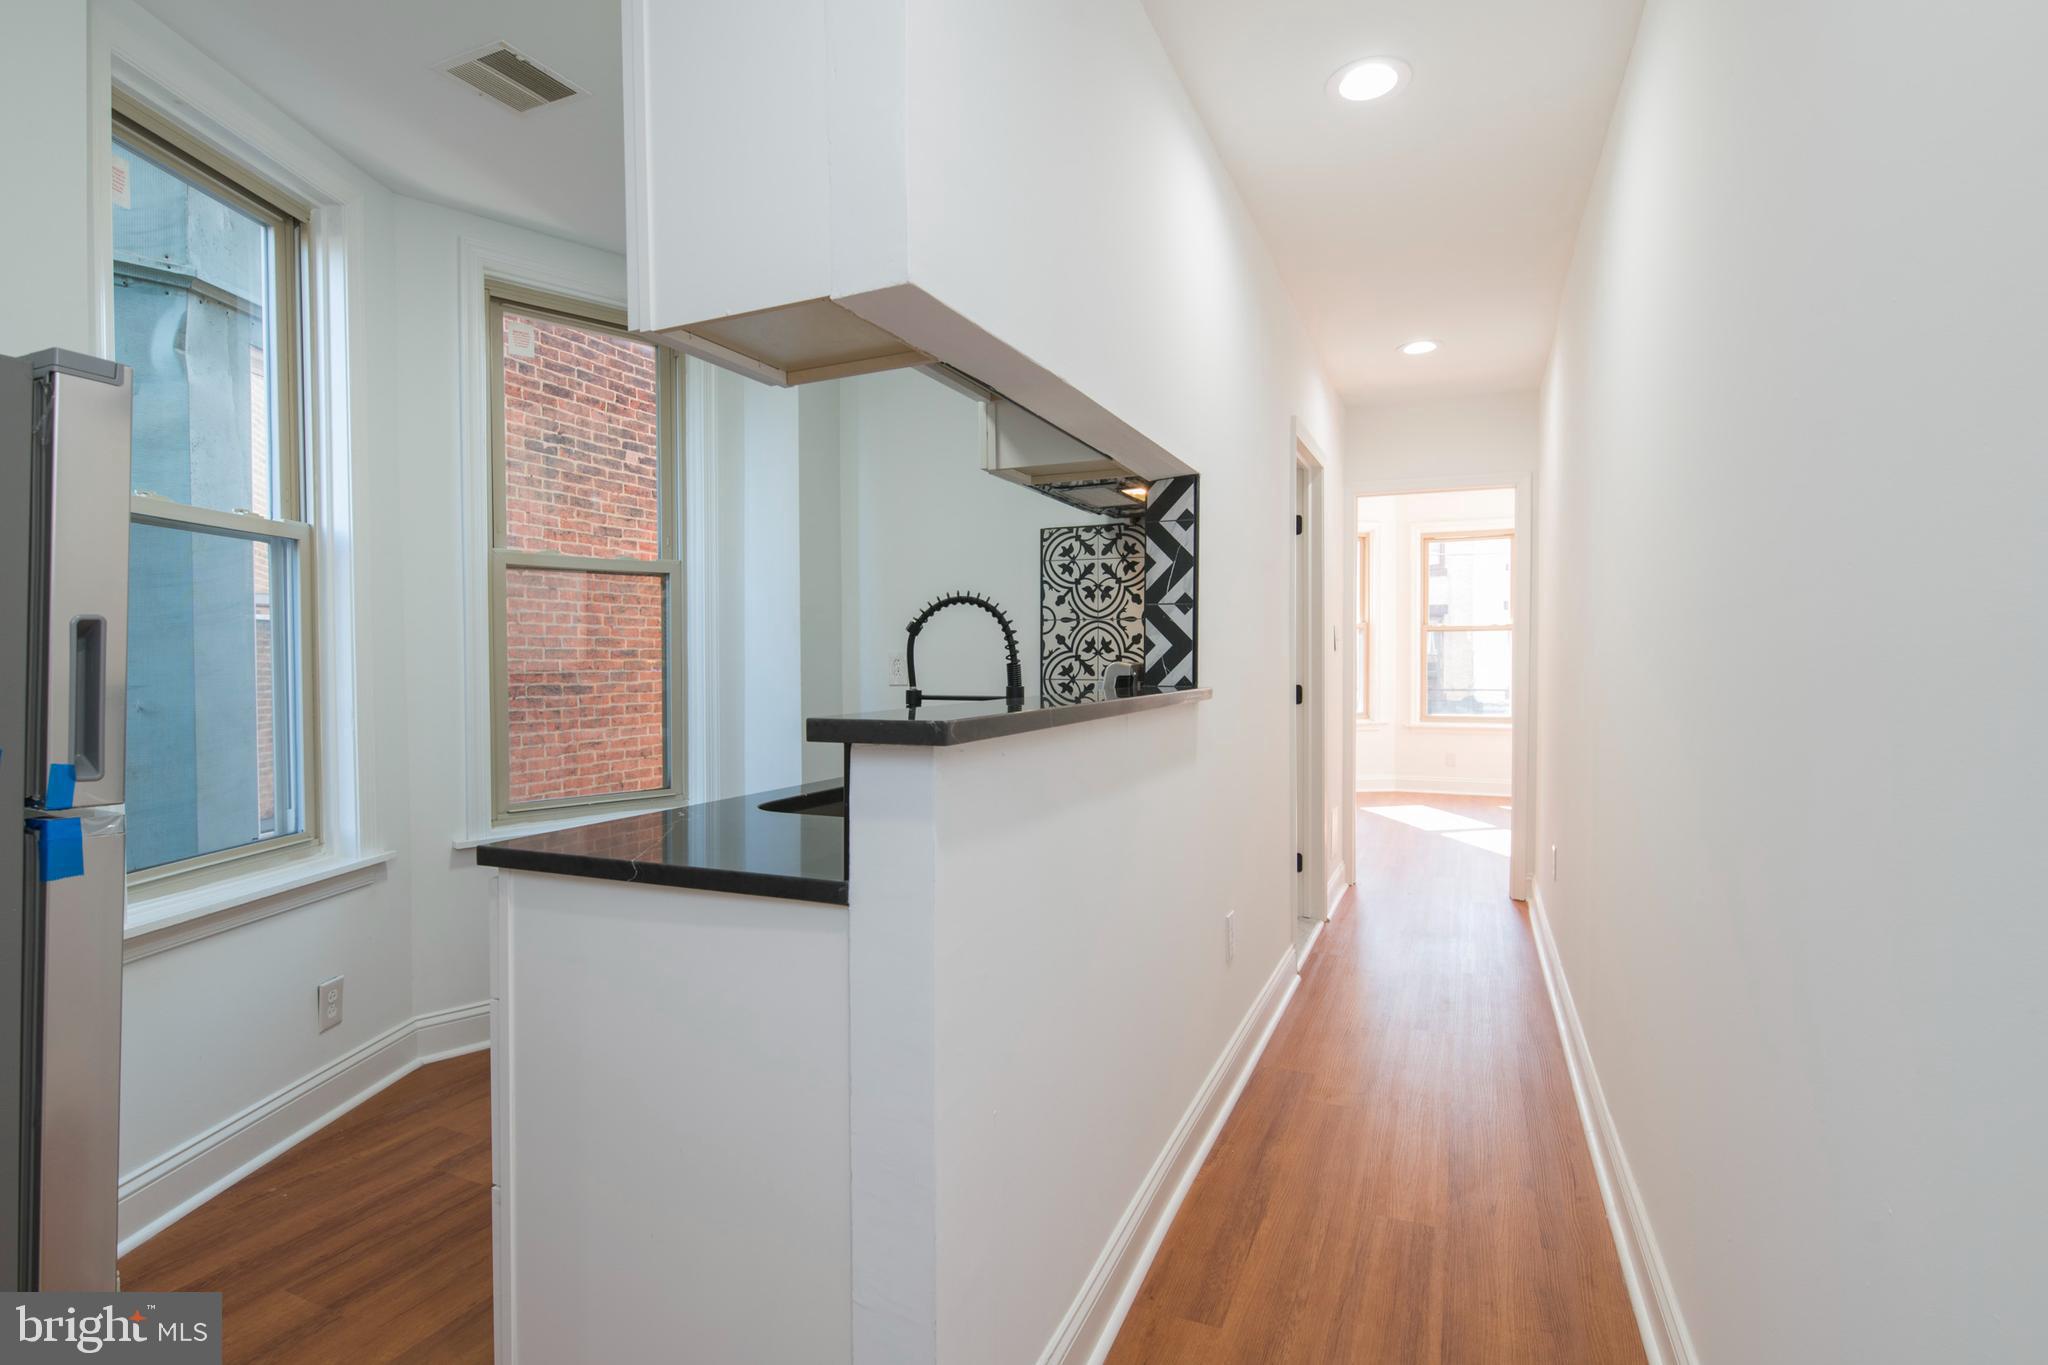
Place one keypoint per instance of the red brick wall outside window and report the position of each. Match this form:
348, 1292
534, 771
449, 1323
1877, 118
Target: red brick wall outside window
585, 655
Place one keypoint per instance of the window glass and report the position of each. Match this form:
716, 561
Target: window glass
1471, 580
194, 318
1469, 673
586, 683
216, 745
211, 764
581, 471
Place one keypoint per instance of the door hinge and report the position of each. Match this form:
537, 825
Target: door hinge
1297, 694
1297, 863
1297, 523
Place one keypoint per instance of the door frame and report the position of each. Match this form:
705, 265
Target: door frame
1522, 785
1307, 626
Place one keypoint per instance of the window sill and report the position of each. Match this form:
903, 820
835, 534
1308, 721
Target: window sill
1365, 724
520, 828
170, 919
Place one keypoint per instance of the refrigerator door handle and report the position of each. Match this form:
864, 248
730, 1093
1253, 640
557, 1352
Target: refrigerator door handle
89, 697
85, 630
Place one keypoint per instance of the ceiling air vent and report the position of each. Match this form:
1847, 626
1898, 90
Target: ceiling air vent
510, 79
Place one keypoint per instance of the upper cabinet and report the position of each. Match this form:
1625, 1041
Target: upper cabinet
823, 188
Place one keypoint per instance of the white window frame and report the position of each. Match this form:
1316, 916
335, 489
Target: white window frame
1362, 639
1422, 712
133, 57
165, 141
500, 296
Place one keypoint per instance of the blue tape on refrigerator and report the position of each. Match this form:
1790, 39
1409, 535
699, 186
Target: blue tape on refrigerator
62, 788
60, 849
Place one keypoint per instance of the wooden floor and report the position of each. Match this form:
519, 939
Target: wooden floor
368, 1242
1404, 1178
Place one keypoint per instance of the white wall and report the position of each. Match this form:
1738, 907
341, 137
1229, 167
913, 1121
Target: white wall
822, 623
46, 98
845, 507
1065, 199
1795, 408
437, 504
1460, 441
922, 517
1396, 749
745, 460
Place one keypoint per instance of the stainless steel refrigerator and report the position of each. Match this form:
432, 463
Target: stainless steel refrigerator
64, 488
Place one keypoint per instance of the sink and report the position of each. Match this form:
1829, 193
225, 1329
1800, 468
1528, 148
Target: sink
830, 802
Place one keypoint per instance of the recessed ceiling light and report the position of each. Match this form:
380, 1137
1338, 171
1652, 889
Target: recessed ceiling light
1369, 79
1422, 347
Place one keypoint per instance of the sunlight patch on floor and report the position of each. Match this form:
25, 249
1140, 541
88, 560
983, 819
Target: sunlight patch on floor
1492, 840
1428, 818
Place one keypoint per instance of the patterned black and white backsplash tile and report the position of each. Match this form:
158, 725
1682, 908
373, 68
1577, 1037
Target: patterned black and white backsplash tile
1170, 583
1091, 583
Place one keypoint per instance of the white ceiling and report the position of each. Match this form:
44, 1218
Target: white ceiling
366, 77
1445, 210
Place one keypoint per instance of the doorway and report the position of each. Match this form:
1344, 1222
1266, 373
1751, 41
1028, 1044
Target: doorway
1311, 803
1439, 671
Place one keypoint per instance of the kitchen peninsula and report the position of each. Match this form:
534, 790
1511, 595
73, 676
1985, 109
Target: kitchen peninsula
718, 1092
787, 843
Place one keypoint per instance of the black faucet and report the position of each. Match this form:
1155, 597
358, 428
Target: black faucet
1013, 693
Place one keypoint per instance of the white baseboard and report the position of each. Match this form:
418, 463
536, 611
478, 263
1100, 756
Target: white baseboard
161, 1191
1334, 888
1665, 1339
1485, 786
1090, 1326
1308, 945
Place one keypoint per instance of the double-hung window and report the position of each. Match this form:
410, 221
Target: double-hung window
1468, 626
206, 309
584, 574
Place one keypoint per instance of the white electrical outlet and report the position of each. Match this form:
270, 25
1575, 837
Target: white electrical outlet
1553, 862
1230, 937
1450, 760
329, 997
899, 671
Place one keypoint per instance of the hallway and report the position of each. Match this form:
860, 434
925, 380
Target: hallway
1404, 1178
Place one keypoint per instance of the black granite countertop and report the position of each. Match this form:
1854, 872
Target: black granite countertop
796, 852
963, 722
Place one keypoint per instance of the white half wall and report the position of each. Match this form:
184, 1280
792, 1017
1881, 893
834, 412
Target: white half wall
1038, 969
671, 1125
1790, 491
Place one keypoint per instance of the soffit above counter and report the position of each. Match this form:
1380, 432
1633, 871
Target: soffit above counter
794, 343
